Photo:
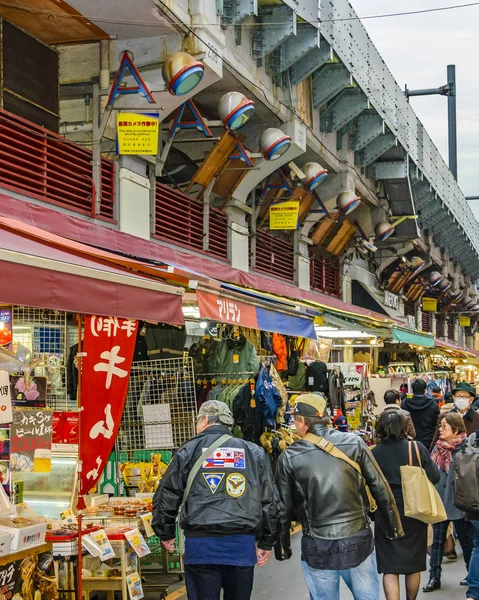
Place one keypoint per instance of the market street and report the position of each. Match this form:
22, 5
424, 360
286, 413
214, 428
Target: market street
284, 581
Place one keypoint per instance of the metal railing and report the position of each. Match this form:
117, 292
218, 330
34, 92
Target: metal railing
274, 256
40, 163
179, 220
325, 276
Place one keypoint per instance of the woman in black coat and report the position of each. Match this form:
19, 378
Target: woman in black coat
406, 556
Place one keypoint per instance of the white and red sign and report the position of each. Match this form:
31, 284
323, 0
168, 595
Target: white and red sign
107, 356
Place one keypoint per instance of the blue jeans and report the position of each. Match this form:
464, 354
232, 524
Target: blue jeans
473, 572
363, 581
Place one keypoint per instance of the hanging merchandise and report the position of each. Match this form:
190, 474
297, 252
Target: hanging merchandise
293, 358
277, 382
336, 390
281, 351
297, 382
246, 414
317, 377
309, 350
234, 355
165, 341
267, 397
201, 352
108, 353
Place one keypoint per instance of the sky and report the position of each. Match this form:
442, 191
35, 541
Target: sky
417, 50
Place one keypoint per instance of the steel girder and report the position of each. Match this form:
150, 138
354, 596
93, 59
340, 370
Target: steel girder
426, 211
425, 200
347, 106
369, 126
311, 62
375, 149
278, 23
293, 48
394, 169
234, 11
329, 81
437, 217
450, 224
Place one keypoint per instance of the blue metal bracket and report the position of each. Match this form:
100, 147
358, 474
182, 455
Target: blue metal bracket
375, 149
293, 48
196, 123
234, 11
348, 105
241, 153
311, 62
329, 81
283, 183
369, 126
278, 23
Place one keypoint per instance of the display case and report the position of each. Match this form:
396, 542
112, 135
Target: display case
49, 494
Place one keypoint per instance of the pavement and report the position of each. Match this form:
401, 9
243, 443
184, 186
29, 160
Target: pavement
285, 581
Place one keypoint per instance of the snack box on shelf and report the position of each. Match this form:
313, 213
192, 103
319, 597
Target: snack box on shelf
25, 533
5, 544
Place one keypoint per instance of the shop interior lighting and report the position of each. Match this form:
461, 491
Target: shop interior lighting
326, 328
435, 278
347, 202
315, 174
191, 311
274, 143
182, 73
416, 264
383, 230
203, 324
342, 334
348, 342
234, 109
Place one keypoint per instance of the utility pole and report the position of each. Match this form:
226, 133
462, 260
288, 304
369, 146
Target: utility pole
448, 90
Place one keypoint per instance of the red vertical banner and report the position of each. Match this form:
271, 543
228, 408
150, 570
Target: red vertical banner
107, 354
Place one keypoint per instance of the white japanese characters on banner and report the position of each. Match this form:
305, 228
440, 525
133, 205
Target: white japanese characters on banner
6, 415
108, 349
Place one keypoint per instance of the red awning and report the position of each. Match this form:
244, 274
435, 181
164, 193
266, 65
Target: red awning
36, 274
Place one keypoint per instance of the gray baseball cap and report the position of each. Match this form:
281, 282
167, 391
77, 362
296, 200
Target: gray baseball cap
215, 408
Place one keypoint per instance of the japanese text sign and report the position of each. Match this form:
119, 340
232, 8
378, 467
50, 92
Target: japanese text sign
284, 215
31, 440
225, 310
429, 304
464, 321
6, 415
107, 356
137, 134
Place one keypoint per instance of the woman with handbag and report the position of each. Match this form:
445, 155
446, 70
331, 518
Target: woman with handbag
406, 556
452, 435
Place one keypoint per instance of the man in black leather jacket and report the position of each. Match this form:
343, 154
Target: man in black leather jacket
326, 494
230, 515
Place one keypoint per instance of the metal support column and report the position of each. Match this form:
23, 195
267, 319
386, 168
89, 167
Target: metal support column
451, 112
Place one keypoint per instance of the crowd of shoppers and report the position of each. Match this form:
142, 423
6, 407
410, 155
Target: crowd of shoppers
233, 510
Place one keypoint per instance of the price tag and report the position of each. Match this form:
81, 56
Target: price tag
236, 359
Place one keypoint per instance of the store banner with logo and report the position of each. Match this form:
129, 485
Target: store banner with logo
429, 304
284, 215
108, 348
464, 321
137, 134
224, 310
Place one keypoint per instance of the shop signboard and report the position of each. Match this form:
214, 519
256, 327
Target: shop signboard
429, 304
391, 300
465, 321
225, 310
284, 215
108, 348
137, 133
31, 440
6, 415
6, 328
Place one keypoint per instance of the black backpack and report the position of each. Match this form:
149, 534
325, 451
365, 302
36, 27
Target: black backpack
317, 377
466, 477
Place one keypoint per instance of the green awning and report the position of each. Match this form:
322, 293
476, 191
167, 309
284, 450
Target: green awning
410, 337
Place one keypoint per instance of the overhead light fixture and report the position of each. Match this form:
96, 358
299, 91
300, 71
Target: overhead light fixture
435, 278
338, 334
416, 264
456, 296
203, 324
182, 73
347, 202
373, 342
383, 230
274, 143
234, 109
315, 174
444, 285
348, 342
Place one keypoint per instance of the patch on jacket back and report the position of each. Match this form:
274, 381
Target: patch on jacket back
213, 480
226, 458
235, 485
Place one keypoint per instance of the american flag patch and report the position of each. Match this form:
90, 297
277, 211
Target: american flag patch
226, 458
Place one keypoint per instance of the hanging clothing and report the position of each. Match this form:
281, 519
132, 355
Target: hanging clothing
235, 355
281, 351
165, 341
200, 352
248, 415
268, 397
282, 392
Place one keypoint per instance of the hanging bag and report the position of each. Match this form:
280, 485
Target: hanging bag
466, 477
189, 482
421, 499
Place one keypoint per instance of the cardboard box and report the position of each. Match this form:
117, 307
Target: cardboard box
71, 424
25, 537
5, 544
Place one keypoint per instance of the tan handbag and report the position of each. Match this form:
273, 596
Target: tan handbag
328, 447
421, 499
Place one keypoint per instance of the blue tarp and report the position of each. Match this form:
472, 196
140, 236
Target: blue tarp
270, 320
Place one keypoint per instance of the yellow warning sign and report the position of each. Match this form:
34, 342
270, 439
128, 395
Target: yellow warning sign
137, 134
465, 321
284, 215
429, 304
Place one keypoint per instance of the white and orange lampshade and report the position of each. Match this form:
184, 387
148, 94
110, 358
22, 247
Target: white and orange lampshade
234, 109
274, 143
315, 175
383, 230
444, 284
416, 264
456, 296
347, 202
182, 73
435, 278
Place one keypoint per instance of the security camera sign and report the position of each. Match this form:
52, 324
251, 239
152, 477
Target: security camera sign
137, 134
284, 215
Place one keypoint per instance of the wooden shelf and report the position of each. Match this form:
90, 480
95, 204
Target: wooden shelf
9, 558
